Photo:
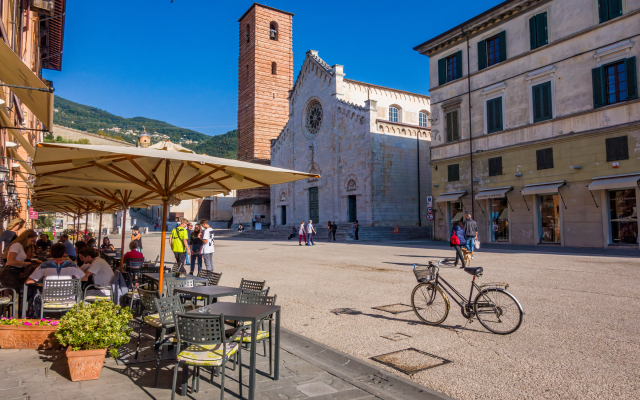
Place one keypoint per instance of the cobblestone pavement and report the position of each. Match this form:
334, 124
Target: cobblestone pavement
579, 338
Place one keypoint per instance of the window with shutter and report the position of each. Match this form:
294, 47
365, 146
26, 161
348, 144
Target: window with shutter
538, 30
609, 9
482, 54
541, 99
442, 71
617, 148
495, 166
453, 173
453, 126
494, 115
597, 77
452, 68
493, 50
544, 158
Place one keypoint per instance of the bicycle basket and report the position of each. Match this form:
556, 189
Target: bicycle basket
425, 274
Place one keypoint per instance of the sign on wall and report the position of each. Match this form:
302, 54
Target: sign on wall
430, 217
429, 202
33, 214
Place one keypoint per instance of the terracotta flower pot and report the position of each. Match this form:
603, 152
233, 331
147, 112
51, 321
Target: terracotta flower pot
85, 365
28, 337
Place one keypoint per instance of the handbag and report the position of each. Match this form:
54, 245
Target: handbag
477, 244
454, 239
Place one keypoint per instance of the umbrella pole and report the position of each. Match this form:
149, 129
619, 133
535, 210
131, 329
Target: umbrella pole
86, 223
99, 234
124, 226
162, 244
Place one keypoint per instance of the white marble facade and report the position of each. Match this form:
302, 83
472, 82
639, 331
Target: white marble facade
340, 129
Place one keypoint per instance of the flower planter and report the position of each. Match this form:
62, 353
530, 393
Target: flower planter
85, 365
28, 337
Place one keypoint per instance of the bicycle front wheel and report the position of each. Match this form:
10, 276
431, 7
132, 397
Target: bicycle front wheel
430, 304
498, 311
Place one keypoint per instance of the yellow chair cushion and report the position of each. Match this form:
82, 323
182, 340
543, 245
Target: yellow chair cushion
97, 298
206, 355
153, 320
5, 300
135, 295
246, 336
59, 304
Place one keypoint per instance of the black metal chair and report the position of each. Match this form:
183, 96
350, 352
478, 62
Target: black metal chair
134, 262
59, 295
149, 314
235, 323
168, 308
133, 295
173, 283
252, 285
176, 268
98, 293
8, 298
214, 279
204, 338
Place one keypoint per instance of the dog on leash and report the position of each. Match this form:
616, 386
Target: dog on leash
467, 256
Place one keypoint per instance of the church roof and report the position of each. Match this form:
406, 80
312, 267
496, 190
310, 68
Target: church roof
385, 88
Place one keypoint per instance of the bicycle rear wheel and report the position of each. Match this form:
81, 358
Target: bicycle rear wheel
498, 311
429, 303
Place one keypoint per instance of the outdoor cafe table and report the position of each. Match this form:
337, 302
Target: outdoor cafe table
209, 292
253, 313
155, 277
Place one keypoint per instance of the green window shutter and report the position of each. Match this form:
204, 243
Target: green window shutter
490, 116
533, 37
603, 10
498, 107
458, 56
547, 112
442, 71
612, 152
455, 126
632, 80
482, 55
502, 42
541, 29
549, 158
615, 8
597, 75
623, 148
448, 117
453, 172
540, 159
536, 99
498, 165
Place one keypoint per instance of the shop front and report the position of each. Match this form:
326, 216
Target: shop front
499, 210
547, 203
453, 206
620, 207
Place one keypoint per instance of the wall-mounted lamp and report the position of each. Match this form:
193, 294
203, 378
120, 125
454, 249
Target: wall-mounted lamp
436, 185
519, 174
476, 180
576, 167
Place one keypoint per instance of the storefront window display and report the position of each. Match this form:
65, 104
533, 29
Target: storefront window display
499, 220
623, 211
549, 219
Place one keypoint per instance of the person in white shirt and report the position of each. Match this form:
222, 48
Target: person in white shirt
96, 267
207, 248
310, 232
302, 234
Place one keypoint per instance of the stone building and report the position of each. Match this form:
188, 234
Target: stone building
144, 140
538, 134
362, 139
265, 75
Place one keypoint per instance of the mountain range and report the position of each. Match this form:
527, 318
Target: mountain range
91, 119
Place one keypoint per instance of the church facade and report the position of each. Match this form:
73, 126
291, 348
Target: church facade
370, 145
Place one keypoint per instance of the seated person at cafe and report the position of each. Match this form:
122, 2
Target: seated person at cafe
18, 255
107, 246
90, 240
134, 253
70, 249
44, 243
60, 265
79, 246
96, 267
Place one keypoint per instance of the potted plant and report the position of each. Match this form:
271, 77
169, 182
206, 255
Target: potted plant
28, 334
89, 330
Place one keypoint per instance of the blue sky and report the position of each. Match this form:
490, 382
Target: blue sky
177, 62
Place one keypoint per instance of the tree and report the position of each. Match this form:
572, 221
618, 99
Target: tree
45, 221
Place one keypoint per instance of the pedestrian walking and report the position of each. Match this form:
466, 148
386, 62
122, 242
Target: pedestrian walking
458, 239
207, 250
329, 231
189, 230
310, 232
356, 228
136, 236
302, 234
180, 243
155, 227
196, 249
334, 228
471, 232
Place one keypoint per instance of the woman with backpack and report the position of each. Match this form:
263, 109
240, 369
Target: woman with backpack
458, 239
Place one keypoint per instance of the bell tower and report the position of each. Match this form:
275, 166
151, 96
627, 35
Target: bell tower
265, 76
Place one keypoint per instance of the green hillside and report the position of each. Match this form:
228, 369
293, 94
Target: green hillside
91, 119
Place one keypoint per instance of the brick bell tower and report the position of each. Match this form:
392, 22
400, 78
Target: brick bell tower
265, 76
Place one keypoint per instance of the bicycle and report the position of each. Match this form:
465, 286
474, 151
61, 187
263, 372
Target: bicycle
496, 309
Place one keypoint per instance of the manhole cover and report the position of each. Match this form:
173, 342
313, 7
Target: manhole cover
410, 361
395, 308
396, 336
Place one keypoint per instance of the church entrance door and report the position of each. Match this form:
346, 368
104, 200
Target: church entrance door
353, 210
314, 211
283, 214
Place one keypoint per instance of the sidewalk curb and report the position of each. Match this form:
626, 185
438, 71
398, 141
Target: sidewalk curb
363, 375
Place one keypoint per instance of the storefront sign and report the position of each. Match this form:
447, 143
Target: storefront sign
490, 196
33, 214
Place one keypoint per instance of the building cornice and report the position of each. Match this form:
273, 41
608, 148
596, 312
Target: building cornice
379, 120
351, 81
263, 6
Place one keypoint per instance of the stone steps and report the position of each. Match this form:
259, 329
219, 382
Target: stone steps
386, 233
342, 234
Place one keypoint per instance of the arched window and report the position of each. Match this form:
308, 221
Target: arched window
274, 68
248, 33
273, 30
423, 119
393, 114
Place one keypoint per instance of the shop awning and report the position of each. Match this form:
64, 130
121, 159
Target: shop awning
451, 196
614, 182
38, 98
495, 193
542, 188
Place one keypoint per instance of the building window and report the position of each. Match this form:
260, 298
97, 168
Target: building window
495, 166
453, 126
609, 9
393, 114
274, 68
617, 148
493, 51
538, 30
273, 30
623, 216
313, 120
499, 220
453, 172
494, 115
450, 68
423, 119
544, 158
248, 33
614, 83
541, 98
549, 221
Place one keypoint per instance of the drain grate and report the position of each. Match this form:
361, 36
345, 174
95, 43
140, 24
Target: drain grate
410, 361
396, 337
394, 308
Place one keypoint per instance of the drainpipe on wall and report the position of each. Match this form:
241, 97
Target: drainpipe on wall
469, 105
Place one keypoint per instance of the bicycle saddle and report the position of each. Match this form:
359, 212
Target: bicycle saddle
474, 271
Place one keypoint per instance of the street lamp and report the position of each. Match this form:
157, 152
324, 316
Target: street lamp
11, 187
14, 196
4, 171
